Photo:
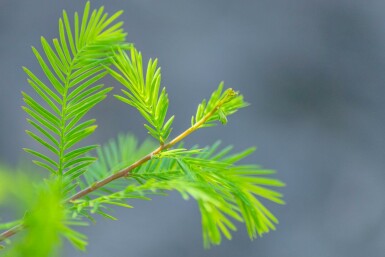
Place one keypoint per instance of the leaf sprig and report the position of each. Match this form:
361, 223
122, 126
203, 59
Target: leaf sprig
73, 65
222, 103
81, 185
143, 91
47, 220
222, 188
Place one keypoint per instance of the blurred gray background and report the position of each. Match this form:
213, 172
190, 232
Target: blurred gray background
314, 73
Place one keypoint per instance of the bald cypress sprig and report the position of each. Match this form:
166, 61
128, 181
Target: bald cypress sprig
87, 179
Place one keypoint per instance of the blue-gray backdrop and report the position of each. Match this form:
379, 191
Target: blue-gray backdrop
313, 71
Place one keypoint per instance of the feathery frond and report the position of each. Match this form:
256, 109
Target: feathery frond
73, 64
224, 190
143, 91
240, 186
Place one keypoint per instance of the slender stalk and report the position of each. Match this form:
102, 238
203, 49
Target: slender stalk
10, 232
125, 172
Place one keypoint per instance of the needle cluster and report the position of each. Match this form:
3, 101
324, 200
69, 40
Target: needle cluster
87, 180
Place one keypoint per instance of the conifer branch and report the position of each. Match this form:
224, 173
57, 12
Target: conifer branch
87, 49
125, 172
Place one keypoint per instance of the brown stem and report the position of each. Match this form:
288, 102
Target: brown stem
10, 232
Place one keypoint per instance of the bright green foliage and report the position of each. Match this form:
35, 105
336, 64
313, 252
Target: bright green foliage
222, 103
80, 185
239, 186
47, 219
143, 91
224, 190
74, 64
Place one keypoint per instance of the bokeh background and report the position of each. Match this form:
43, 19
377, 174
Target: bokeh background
314, 73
